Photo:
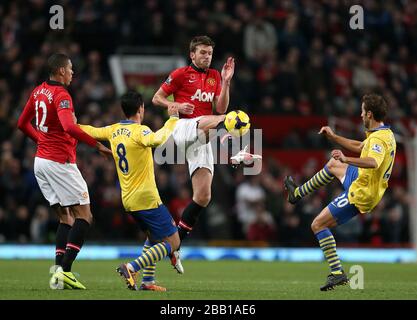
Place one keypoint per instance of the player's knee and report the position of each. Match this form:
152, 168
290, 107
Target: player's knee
82, 212
202, 198
331, 164
67, 219
316, 225
87, 216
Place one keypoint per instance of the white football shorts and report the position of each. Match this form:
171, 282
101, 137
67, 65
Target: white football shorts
198, 154
61, 183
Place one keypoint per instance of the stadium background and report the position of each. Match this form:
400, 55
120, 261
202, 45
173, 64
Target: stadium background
297, 64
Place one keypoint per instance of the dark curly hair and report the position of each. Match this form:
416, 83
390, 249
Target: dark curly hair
376, 104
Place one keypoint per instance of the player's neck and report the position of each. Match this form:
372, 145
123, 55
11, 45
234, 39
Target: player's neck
196, 68
57, 79
136, 118
375, 124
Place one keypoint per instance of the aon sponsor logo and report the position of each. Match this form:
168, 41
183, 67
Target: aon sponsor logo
203, 96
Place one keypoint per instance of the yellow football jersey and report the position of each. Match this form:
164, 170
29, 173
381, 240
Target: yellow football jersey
131, 145
367, 190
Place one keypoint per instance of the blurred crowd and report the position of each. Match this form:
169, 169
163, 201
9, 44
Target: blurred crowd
292, 58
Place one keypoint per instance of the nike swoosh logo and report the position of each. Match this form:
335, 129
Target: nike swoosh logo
72, 279
191, 81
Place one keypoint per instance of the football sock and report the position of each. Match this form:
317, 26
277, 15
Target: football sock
61, 242
150, 257
320, 179
189, 219
328, 245
148, 274
76, 238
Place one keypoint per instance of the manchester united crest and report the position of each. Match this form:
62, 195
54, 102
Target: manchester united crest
211, 81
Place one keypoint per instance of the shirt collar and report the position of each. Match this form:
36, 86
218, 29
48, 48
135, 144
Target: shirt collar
54, 83
379, 128
127, 122
384, 127
201, 70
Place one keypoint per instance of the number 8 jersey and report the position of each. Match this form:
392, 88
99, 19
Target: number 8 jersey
367, 190
131, 145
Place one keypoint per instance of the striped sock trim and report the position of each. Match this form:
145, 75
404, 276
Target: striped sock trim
153, 255
59, 251
73, 246
320, 179
185, 226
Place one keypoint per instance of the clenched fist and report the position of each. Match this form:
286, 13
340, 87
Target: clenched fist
338, 155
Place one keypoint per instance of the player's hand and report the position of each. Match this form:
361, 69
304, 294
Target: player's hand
173, 110
327, 131
228, 70
185, 107
104, 151
338, 155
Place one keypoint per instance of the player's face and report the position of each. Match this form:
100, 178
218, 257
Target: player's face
68, 72
366, 120
202, 56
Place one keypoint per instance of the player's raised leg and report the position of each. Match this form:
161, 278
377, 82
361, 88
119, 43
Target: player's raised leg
205, 123
333, 168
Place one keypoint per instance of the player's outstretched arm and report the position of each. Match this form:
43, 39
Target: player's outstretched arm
97, 133
66, 118
154, 139
348, 144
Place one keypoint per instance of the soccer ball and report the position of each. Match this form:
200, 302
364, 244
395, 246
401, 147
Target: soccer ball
237, 123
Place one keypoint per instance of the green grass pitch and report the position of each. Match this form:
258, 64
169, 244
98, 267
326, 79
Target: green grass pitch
209, 280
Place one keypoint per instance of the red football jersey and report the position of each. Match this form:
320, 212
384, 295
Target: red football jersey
193, 85
44, 104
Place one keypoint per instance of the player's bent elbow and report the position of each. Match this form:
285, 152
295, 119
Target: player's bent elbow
20, 124
156, 100
373, 164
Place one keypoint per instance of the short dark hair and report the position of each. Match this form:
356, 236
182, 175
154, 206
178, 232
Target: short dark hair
131, 101
198, 40
376, 104
56, 61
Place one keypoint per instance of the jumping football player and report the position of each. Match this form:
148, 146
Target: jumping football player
197, 90
364, 180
